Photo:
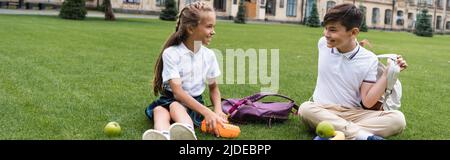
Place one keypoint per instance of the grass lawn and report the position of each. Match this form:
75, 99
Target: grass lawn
64, 79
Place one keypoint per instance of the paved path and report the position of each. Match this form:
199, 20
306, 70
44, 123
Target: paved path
53, 12
56, 12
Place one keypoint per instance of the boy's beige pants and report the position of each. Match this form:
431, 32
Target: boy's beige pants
351, 120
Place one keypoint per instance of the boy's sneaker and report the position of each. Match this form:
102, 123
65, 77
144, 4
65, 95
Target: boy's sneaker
375, 137
180, 131
152, 134
320, 138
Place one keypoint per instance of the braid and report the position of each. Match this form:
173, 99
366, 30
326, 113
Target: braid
200, 5
177, 27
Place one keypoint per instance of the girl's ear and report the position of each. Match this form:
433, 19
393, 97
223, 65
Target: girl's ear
190, 30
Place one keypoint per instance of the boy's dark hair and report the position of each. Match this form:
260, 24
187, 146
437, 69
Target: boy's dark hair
347, 14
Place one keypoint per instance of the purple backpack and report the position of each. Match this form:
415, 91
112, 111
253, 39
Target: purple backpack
249, 109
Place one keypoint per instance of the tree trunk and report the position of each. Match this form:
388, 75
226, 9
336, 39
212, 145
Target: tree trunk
302, 13
21, 3
109, 15
405, 16
393, 13
444, 25
433, 23
306, 10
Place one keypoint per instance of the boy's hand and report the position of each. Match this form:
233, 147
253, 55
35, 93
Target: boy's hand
401, 62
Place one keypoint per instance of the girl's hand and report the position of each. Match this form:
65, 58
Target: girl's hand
401, 62
365, 43
213, 122
223, 115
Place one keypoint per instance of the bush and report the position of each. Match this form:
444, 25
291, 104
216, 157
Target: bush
170, 12
313, 20
240, 17
363, 27
423, 24
73, 9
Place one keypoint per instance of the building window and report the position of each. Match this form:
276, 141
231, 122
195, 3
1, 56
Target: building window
330, 4
270, 7
448, 25
410, 16
448, 5
131, 1
234, 1
220, 5
400, 20
428, 3
400, 14
160, 2
281, 3
291, 9
309, 5
411, 2
187, 2
438, 22
375, 15
388, 16
439, 4
410, 20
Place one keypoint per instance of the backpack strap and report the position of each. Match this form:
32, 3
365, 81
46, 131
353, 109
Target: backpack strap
259, 96
237, 104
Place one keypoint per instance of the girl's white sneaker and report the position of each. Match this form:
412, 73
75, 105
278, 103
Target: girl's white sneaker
152, 134
180, 131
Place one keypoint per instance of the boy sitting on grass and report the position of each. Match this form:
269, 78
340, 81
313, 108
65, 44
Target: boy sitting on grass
347, 88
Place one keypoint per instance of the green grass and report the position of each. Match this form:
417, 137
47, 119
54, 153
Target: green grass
64, 79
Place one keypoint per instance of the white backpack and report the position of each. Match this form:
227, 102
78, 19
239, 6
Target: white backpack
391, 98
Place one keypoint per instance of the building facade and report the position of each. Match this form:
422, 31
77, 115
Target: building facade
380, 14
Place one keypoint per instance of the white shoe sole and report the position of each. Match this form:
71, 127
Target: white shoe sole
179, 131
153, 135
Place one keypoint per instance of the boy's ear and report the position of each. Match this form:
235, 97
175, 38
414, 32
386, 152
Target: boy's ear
355, 31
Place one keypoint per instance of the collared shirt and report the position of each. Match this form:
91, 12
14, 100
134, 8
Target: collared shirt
340, 75
194, 69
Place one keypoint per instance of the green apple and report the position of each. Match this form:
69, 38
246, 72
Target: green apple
325, 129
112, 129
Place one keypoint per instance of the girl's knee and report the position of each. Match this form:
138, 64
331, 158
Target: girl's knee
160, 113
176, 109
176, 106
160, 109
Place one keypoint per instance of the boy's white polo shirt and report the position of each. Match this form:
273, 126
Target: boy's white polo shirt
192, 68
340, 75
